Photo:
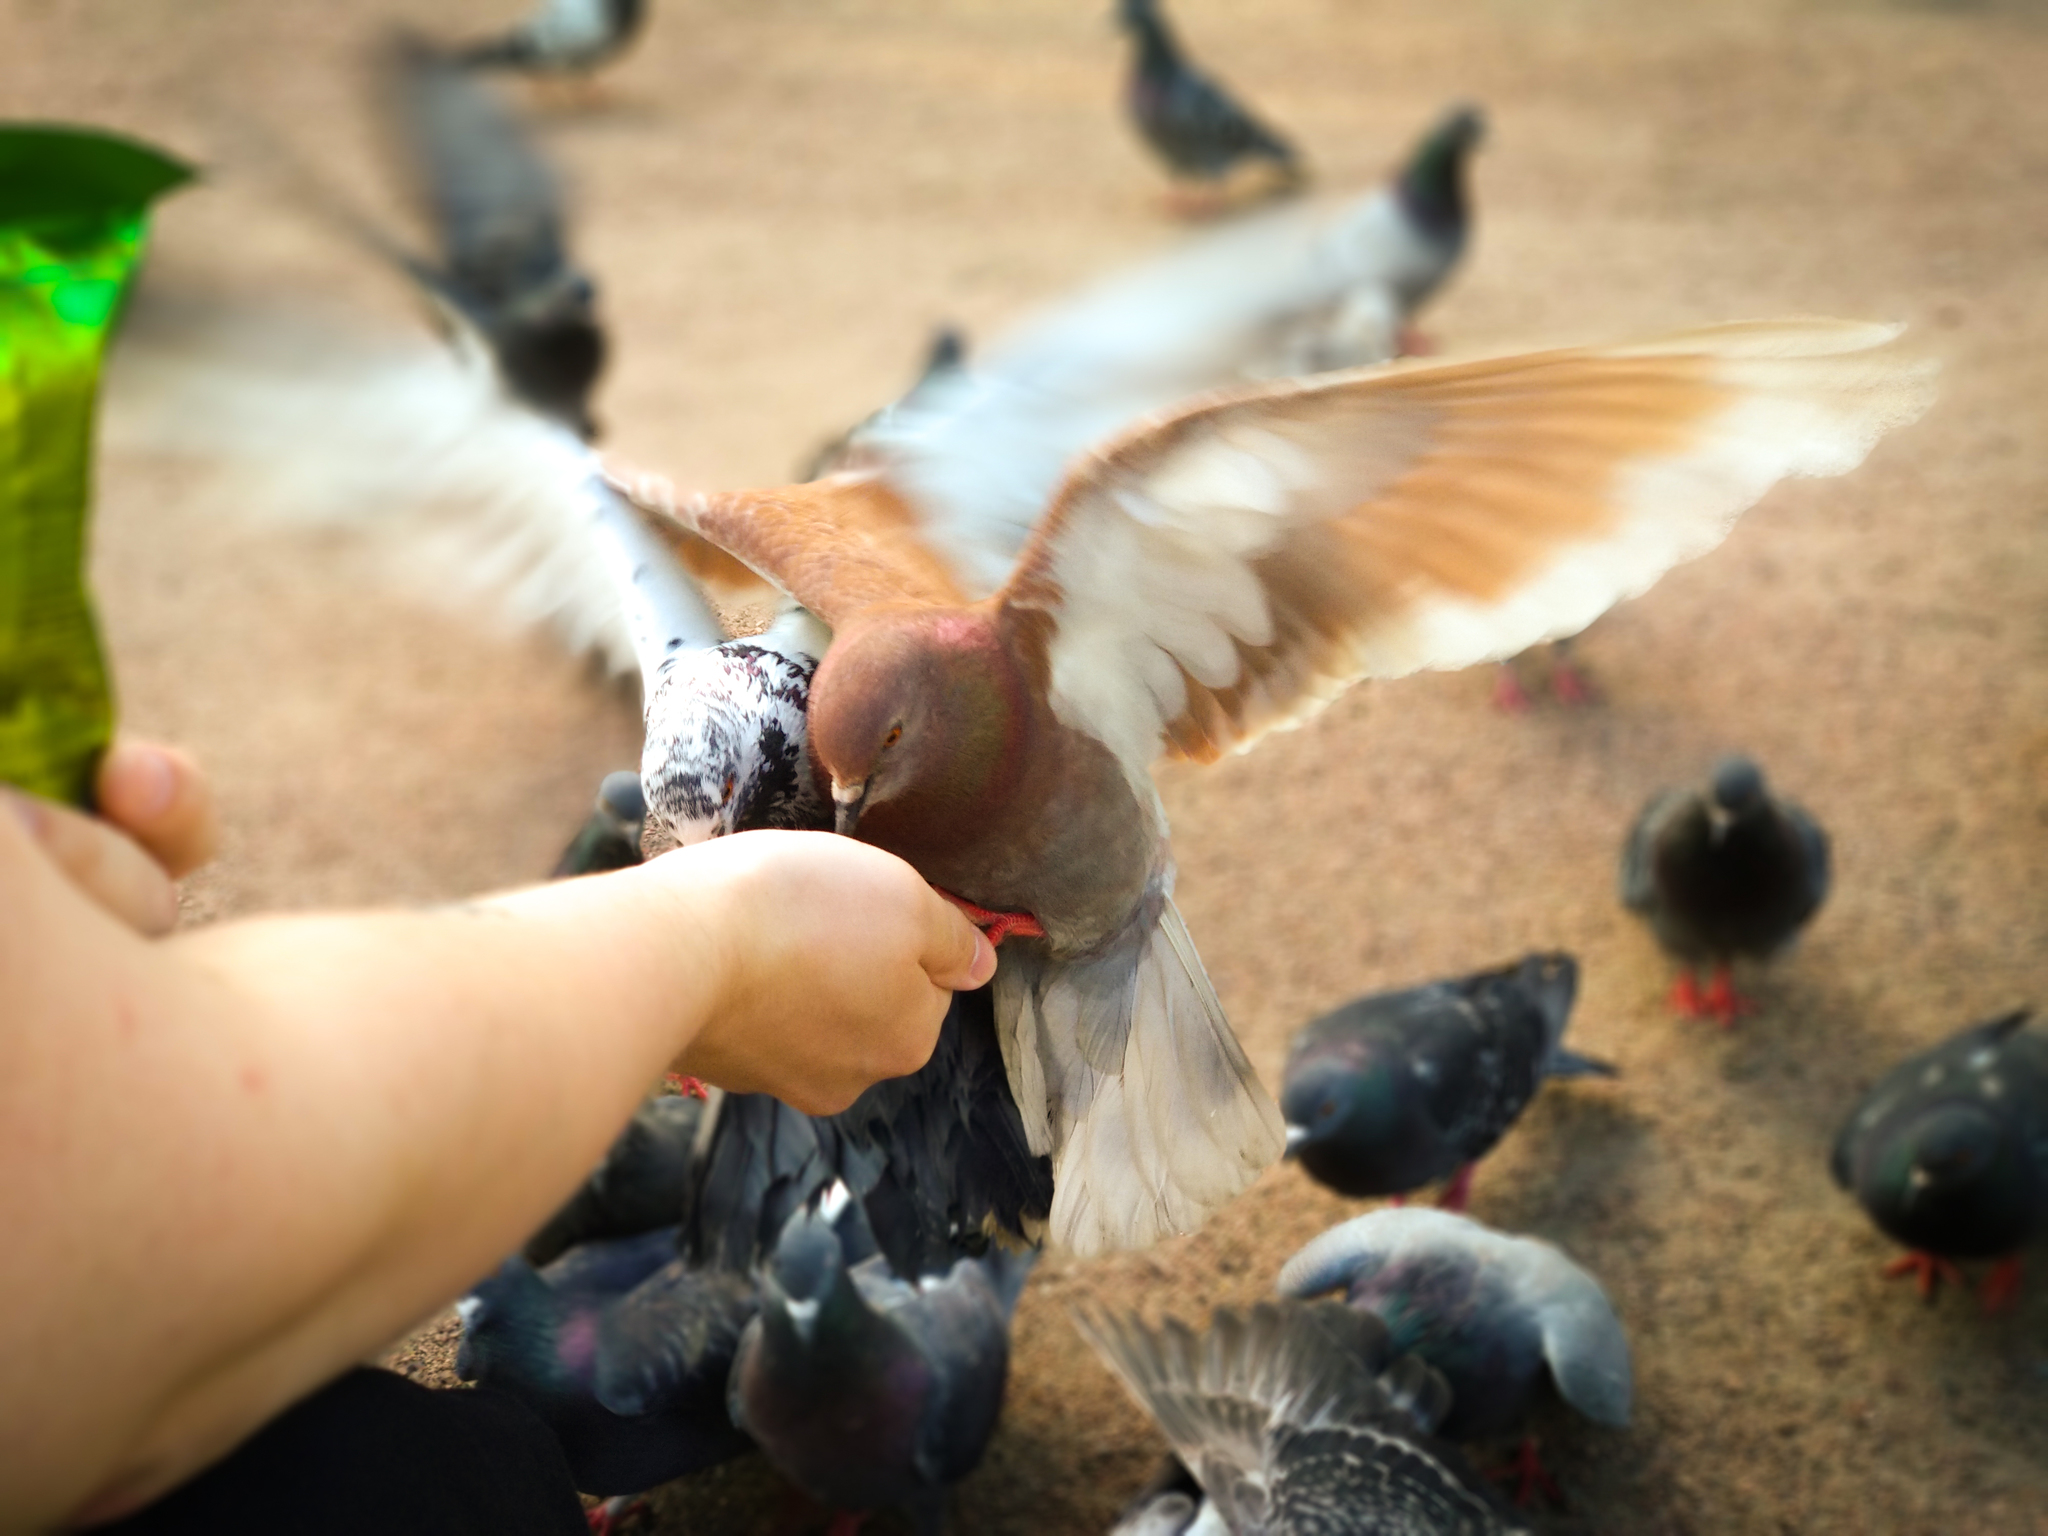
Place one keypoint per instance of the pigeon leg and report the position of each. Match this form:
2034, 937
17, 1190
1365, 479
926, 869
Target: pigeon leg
1572, 687
2002, 1285
693, 1086
997, 925
1410, 342
614, 1514
1930, 1269
1458, 1192
1528, 1474
1721, 1002
1508, 696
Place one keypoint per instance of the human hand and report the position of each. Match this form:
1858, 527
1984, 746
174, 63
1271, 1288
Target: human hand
835, 964
156, 823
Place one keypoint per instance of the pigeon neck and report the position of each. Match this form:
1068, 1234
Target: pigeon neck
1432, 189
1157, 55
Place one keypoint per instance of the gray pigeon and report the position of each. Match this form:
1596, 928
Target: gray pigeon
1949, 1154
1295, 1420
1498, 1316
503, 269
867, 1391
1188, 119
640, 1185
1399, 1089
610, 836
563, 37
1724, 873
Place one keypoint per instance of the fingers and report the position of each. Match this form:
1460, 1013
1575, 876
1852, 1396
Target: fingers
158, 796
109, 868
957, 955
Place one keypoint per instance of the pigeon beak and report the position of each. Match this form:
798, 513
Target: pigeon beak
1297, 1138
847, 799
803, 1317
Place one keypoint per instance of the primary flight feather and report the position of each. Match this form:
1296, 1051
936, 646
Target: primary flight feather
1214, 573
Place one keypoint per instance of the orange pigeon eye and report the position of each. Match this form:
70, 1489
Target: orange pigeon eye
895, 735
726, 798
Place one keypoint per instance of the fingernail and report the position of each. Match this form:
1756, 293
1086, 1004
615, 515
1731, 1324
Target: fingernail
984, 960
148, 783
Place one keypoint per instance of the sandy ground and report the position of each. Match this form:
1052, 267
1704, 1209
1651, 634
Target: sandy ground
781, 197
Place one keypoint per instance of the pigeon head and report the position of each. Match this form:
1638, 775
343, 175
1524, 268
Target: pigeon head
914, 721
551, 361
807, 1267
1737, 786
1950, 1182
725, 744
1135, 15
620, 793
1344, 1107
1553, 981
1432, 184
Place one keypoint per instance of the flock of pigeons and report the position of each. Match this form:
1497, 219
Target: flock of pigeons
1176, 511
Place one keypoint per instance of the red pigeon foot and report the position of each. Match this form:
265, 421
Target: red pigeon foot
1458, 1192
1572, 687
1685, 1000
1929, 1268
1722, 1003
997, 925
1413, 343
1508, 696
1528, 1474
2002, 1285
693, 1086
614, 1515
847, 1522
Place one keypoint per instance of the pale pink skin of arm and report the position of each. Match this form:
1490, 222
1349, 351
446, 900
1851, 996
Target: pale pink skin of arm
245, 1157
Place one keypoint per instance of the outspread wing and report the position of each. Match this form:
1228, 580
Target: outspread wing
838, 545
1228, 569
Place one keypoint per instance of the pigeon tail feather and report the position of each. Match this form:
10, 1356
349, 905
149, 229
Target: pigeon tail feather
1125, 1070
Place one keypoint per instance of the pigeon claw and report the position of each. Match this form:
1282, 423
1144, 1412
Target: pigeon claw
1929, 1269
1571, 686
2002, 1285
1527, 1472
997, 925
1458, 1193
691, 1086
1722, 1003
614, 1515
1508, 695
1409, 342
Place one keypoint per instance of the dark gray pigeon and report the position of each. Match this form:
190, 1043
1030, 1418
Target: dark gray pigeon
610, 836
1502, 1318
502, 270
867, 1391
934, 1162
1295, 1420
1724, 873
1400, 1089
640, 1185
1949, 1154
1188, 119
563, 37
621, 1350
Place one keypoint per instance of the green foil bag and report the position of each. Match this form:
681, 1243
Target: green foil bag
73, 206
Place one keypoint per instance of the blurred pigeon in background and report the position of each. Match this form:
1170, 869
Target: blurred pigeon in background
1949, 1154
640, 1185
1498, 1316
503, 269
868, 1391
610, 836
1295, 1420
562, 37
621, 1351
1188, 119
945, 359
1399, 1089
1729, 872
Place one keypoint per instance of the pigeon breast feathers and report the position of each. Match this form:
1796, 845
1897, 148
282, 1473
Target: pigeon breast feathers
1228, 568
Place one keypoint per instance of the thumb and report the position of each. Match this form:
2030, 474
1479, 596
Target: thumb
957, 955
158, 796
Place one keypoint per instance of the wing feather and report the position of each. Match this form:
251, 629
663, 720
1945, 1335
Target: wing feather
838, 545
1229, 568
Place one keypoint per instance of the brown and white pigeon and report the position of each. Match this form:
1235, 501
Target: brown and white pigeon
1214, 573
